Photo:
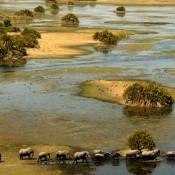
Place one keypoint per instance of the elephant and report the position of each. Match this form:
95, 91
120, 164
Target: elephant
133, 154
62, 155
28, 152
116, 156
98, 152
170, 154
98, 157
149, 155
43, 155
83, 155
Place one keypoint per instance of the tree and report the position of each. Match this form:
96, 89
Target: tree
70, 18
39, 9
141, 139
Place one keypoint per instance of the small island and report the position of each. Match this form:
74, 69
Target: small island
129, 93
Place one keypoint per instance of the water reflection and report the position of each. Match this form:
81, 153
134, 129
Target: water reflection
70, 7
146, 112
120, 14
54, 11
105, 49
69, 169
140, 168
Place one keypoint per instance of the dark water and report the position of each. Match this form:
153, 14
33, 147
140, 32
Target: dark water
25, 88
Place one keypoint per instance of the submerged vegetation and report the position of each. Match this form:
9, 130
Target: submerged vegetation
70, 19
150, 95
141, 139
107, 37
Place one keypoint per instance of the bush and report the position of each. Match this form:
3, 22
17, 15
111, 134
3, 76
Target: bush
141, 139
7, 23
39, 9
70, 18
71, 3
149, 95
12, 29
121, 9
106, 37
54, 7
25, 12
31, 32
51, 1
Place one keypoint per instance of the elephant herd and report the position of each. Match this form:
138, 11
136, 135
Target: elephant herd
96, 155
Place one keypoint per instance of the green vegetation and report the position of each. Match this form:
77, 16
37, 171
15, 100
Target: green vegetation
141, 139
31, 33
150, 95
39, 9
6, 26
54, 7
25, 12
13, 48
70, 18
51, 1
107, 37
70, 3
121, 9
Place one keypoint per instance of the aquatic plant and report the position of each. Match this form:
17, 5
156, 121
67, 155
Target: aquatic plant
54, 7
71, 3
141, 139
150, 95
70, 18
121, 9
25, 12
106, 37
39, 9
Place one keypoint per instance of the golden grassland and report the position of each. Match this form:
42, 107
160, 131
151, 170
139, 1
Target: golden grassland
112, 91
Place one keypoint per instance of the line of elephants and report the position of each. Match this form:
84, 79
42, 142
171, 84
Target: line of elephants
96, 155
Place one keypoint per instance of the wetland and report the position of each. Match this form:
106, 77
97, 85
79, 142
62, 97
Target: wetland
41, 104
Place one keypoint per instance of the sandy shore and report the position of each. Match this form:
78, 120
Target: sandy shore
139, 2
112, 91
64, 44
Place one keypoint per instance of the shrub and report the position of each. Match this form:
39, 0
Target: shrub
12, 29
141, 139
7, 23
70, 18
39, 9
31, 32
51, 1
54, 7
25, 12
149, 95
71, 3
106, 37
121, 9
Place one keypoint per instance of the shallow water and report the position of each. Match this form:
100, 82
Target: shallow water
42, 90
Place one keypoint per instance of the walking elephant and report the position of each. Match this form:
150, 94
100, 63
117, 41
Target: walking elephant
28, 152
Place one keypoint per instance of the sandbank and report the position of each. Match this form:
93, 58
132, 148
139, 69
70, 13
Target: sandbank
112, 91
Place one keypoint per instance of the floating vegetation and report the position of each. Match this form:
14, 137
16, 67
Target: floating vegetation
54, 7
70, 3
121, 9
150, 95
141, 139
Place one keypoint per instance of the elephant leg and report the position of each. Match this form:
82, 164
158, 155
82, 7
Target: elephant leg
29, 156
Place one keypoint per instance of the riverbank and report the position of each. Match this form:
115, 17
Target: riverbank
112, 91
